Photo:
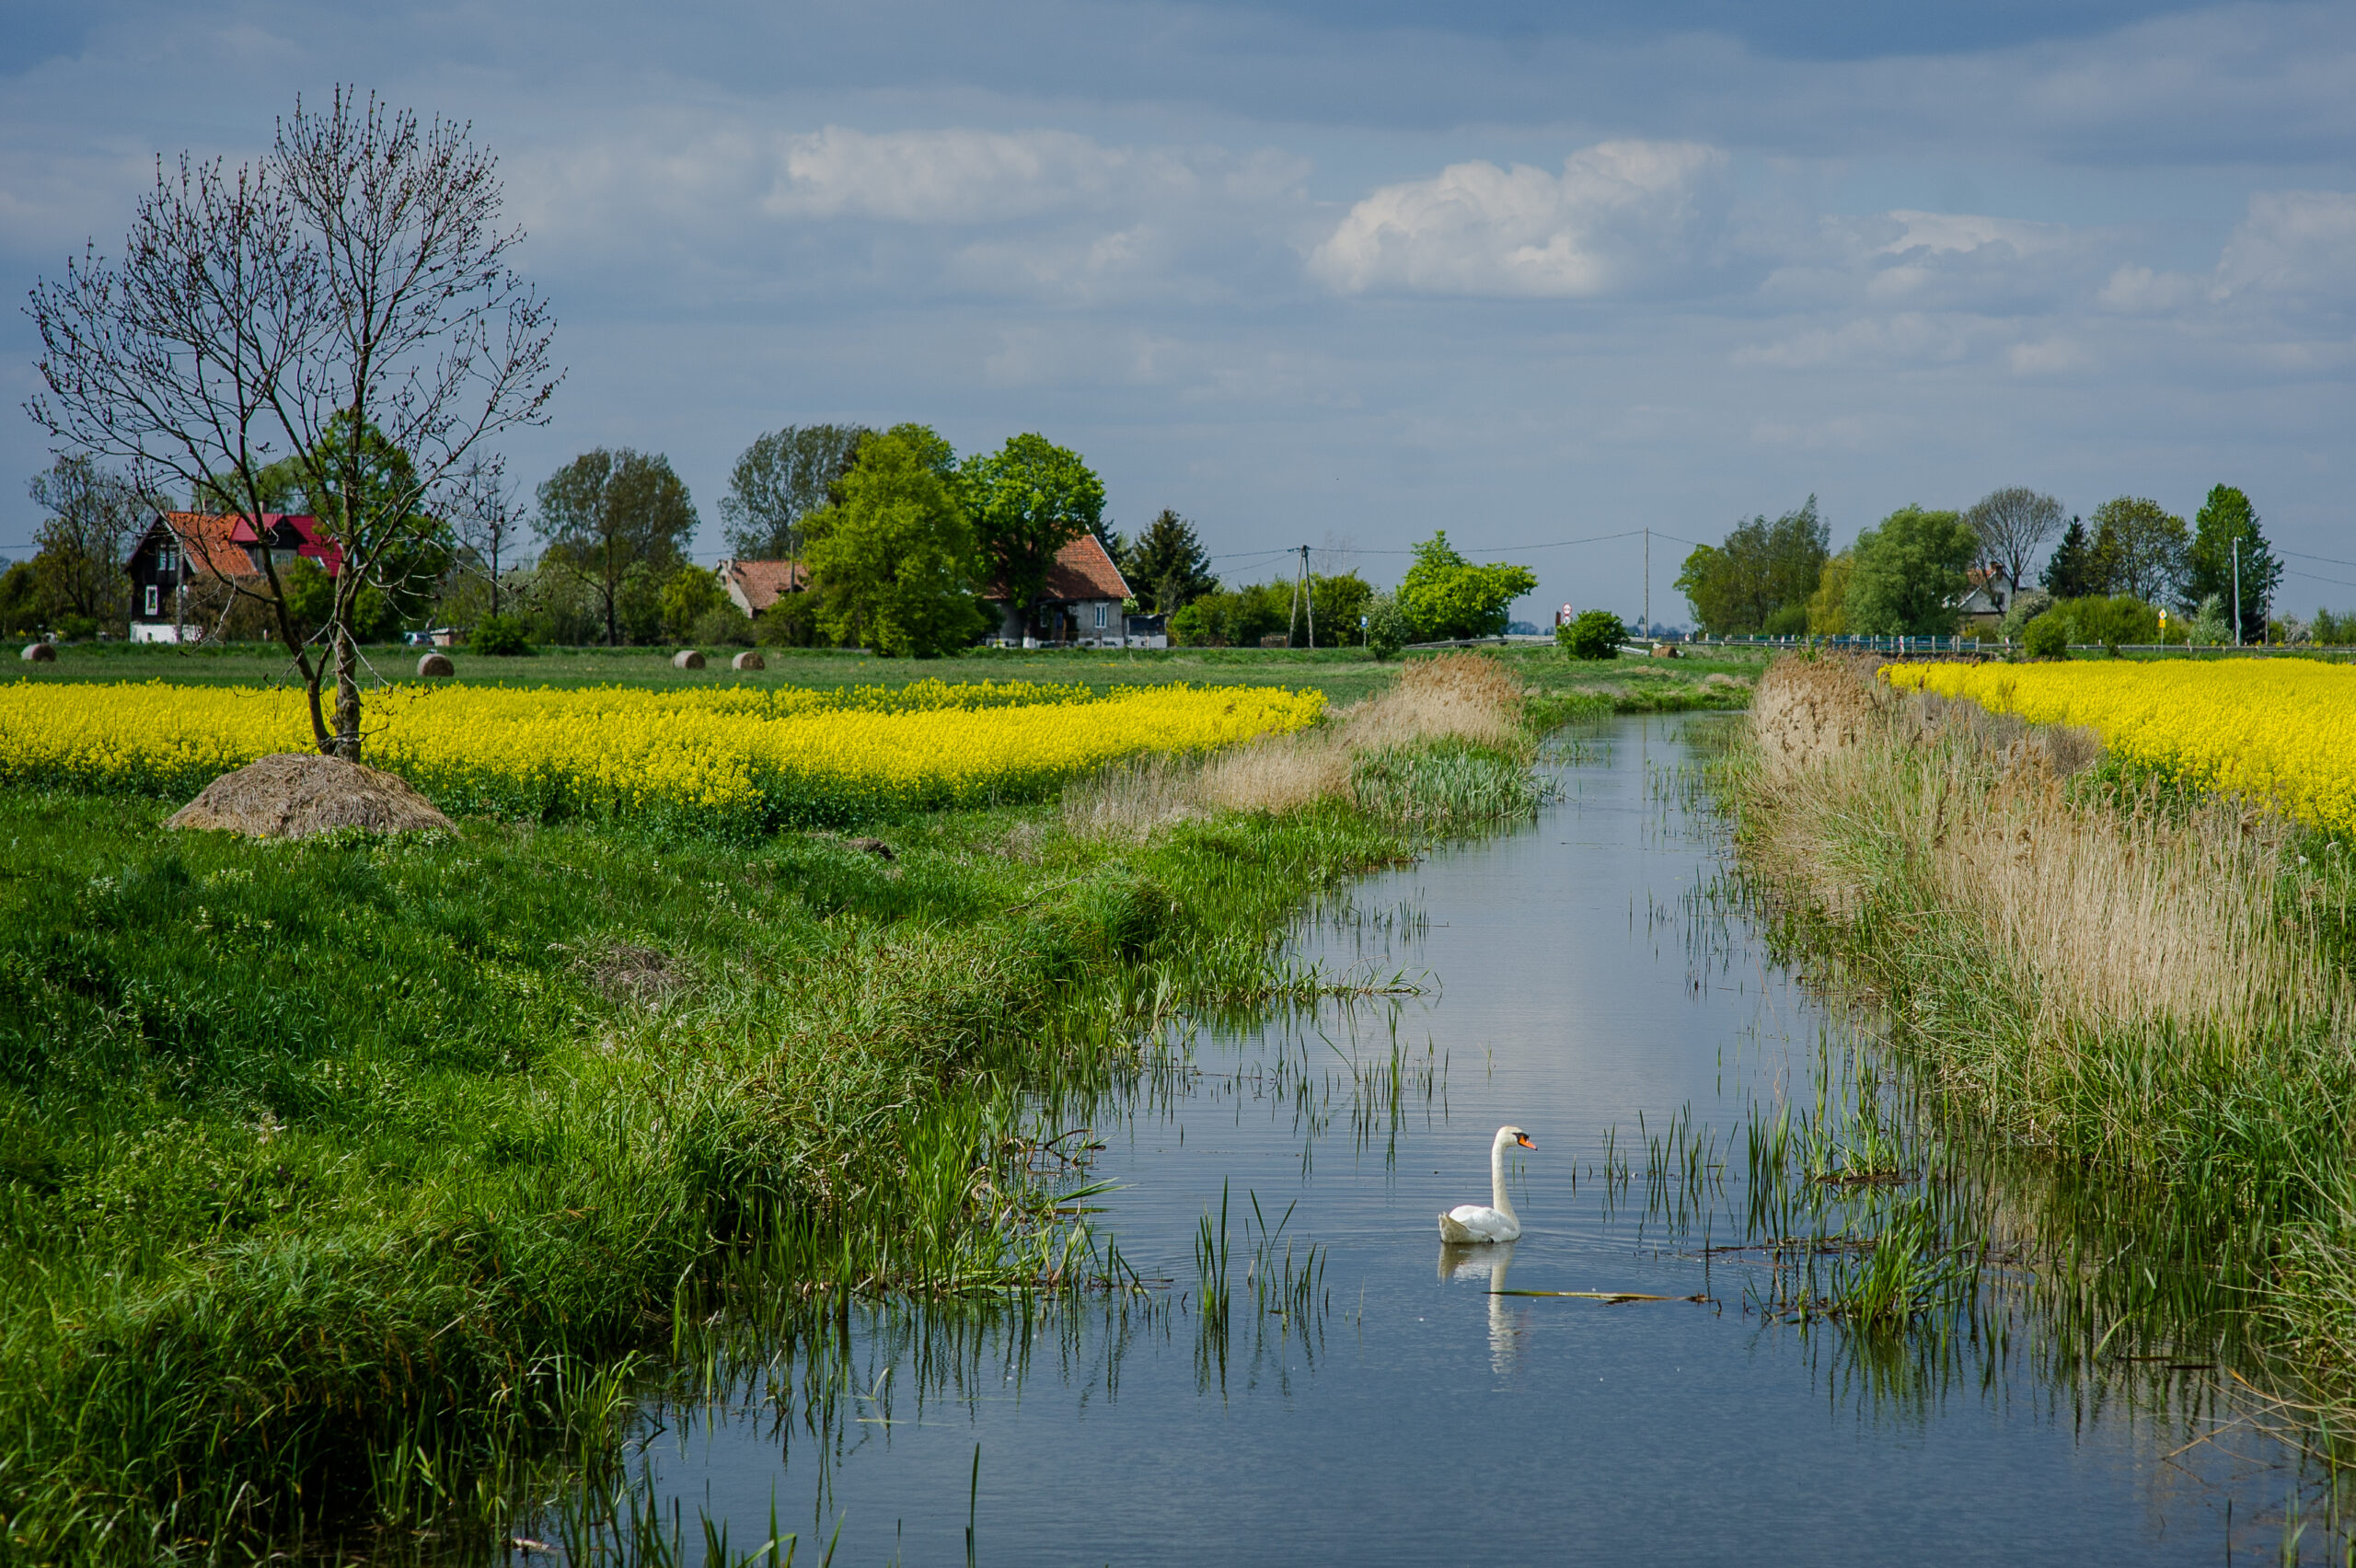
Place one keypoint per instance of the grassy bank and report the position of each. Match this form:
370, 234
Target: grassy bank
2140, 983
341, 1180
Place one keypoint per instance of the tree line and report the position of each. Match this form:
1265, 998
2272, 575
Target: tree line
1910, 574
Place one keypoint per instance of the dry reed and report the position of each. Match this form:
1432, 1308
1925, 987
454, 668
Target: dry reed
2096, 919
1457, 697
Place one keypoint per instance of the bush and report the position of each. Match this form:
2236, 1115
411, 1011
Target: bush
501, 636
1387, 627
75, 628
2047, 636
1596, 634
721, 627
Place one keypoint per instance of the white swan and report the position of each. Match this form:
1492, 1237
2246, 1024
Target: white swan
1470, 1222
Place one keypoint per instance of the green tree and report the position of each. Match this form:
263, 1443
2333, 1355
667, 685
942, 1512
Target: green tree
616, 522
1388, 629
780, 478
1448, 597
2069, 571
1828, 608
2139, 551
1339, 599
1025, 502
2226, 520
890, 563
91, 519
1762, 569
1908, 572
1593, 634
1166, 564
1233, 617
689, 594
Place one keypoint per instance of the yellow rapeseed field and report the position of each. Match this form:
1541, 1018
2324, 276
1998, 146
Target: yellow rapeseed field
2281, 731
725, 755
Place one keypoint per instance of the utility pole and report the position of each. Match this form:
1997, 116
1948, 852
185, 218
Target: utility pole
1648, 584
1308, 592
2237, 591
1292, 612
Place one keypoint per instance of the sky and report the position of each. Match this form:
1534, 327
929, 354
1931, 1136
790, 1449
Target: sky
1339, 274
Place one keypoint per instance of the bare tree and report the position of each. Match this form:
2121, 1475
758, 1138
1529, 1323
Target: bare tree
92, 517
485, 512
343, 299
2012, 523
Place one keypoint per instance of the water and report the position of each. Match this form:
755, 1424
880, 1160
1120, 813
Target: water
1578, 986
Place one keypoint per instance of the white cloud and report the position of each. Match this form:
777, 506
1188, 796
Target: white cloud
2301, 243
1966, 232
2140, 291
1618, 211
958, 175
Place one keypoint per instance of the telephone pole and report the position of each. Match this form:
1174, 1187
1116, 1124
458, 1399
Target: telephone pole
1308, 592
1648, 584
2237, 591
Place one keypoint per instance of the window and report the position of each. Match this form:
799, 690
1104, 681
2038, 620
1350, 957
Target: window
150, 598
1100, 608
166, 558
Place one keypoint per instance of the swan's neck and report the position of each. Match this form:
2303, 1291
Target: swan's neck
1497, 1199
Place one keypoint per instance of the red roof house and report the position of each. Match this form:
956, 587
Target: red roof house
1081, 601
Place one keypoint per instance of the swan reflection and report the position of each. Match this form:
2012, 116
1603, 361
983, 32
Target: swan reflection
1485, 1266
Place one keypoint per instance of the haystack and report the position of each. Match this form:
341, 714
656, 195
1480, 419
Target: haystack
293, 795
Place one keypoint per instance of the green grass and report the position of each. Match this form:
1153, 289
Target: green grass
342, 1182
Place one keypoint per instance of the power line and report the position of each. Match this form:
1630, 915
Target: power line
2303, 554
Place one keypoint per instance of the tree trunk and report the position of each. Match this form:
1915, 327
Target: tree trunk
347, 697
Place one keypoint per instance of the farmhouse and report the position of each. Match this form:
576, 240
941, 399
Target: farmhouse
756, 585
1988, 596
181, 563
1080, 605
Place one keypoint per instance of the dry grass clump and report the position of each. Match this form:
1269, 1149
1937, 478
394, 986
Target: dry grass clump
1939, 832
295, 794
1457, 697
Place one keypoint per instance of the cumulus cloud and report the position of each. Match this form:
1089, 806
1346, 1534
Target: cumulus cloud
2301, 243
1619, 213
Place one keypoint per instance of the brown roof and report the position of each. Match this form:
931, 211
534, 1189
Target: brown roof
1082, 569
758, 584
211, 543
224, 544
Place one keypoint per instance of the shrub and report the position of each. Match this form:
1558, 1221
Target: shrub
501, 636
77, 629
721, 626
1387, 627
2047, 638
1596, 634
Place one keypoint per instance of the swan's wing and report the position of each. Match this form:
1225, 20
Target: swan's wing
1477, 1222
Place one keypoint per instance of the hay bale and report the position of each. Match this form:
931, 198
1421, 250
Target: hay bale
39, 653
293, 795
432, 664
748, 660
686, 658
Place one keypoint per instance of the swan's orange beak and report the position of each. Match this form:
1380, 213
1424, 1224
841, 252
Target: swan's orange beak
1523, 1139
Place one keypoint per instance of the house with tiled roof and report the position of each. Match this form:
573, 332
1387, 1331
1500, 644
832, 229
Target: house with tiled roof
182, 551
1079, 606
756, 585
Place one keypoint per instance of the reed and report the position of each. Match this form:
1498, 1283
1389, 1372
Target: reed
2134, 980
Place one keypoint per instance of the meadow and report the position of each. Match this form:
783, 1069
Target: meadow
347, 1184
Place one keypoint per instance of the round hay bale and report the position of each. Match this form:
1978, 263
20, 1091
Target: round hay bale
748, 660
432, 664
39, 653
686, 658
295, 794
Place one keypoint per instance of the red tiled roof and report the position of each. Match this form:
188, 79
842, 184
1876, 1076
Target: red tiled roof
219, 544
1082, 569
758, 584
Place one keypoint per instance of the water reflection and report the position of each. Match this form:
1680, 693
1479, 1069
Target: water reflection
1768, 1287
1486, 1267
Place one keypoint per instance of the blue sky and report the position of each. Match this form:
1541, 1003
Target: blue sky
1339, 273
